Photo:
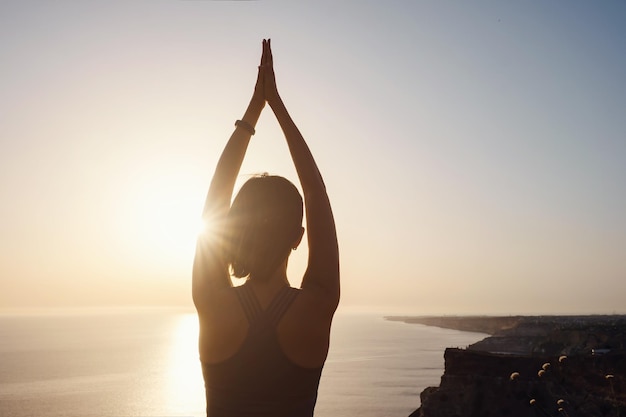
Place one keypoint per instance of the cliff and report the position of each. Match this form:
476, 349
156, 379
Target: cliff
531, 366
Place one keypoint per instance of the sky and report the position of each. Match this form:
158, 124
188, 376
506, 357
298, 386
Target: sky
474, 152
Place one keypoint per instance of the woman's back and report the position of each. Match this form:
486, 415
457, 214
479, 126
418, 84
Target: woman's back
259, 379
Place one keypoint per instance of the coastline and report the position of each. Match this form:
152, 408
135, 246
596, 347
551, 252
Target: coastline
476, 324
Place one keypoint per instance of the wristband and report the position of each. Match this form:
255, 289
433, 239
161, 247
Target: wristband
245, 125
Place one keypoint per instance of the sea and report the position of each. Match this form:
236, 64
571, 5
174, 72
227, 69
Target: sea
144, 363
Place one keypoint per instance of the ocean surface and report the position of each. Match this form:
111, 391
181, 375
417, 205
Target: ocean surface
145, 364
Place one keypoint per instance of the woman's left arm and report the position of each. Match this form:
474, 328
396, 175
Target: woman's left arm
210, 271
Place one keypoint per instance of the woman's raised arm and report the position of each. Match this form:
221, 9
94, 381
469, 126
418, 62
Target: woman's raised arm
210, 271
322, 273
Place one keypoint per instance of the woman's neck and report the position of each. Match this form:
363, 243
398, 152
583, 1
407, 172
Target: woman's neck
266, 289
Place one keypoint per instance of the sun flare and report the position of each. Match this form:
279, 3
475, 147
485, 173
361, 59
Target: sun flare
204, 227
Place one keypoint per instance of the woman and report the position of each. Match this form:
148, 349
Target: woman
263, 344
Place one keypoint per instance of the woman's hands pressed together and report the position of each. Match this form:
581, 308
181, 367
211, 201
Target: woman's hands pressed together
267, 69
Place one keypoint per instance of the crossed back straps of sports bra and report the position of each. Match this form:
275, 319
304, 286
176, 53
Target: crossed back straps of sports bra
274, 311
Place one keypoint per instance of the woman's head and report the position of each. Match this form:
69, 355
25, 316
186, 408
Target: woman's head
264, 224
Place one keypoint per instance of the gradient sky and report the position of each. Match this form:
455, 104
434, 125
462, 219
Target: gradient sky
475, 154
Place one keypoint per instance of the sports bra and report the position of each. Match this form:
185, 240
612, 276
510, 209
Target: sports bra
259, 380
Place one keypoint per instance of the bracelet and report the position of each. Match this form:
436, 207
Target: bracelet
245, 125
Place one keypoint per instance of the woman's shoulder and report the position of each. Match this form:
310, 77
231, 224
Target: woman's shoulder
220, 302
317, 301
305, 330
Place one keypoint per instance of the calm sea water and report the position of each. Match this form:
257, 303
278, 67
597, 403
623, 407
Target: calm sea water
145, 364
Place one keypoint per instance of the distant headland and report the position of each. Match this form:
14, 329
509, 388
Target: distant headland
531, 366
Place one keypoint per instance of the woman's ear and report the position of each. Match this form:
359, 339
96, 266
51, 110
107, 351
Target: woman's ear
296, 242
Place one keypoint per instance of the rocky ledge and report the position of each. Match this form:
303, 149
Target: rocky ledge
532, 366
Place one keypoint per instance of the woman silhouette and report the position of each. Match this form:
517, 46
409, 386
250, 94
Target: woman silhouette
263, 344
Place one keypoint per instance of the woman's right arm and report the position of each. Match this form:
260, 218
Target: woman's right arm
322, 273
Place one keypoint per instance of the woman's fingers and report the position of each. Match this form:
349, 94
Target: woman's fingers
259, 88
266, 56
265, 53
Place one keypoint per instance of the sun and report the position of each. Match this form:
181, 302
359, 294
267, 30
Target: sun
166, 220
